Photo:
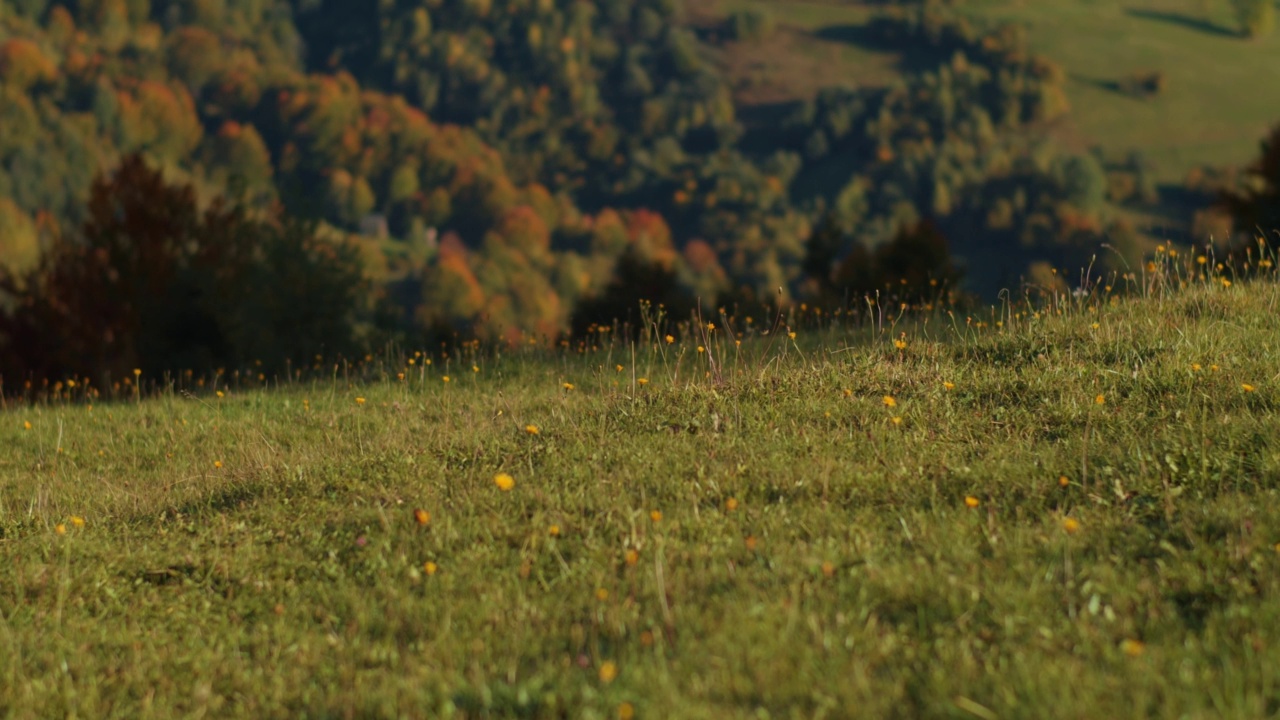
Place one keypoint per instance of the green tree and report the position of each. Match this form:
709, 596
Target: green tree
195, 55
404, 182
1084, 181
19, 241
1257, 18
825, 243
1255, 205
241, 160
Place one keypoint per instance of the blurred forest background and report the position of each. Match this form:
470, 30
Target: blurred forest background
209, 183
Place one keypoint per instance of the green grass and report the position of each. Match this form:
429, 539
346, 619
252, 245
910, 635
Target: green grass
257, 555
1209, 68
1214, 111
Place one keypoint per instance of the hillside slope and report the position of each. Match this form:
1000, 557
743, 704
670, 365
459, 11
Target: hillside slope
408, 123
1034, 513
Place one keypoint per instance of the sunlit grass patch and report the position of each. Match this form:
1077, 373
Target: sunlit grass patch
940, 522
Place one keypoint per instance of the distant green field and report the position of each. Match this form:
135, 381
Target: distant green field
1064, 513
1222, 89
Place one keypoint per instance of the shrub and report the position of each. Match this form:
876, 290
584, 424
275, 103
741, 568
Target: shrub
750, 25
1145, 84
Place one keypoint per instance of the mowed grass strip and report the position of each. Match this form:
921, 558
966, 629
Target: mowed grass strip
1053, 516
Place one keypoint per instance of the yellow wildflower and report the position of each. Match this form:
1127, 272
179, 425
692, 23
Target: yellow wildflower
504, 482
1131, 647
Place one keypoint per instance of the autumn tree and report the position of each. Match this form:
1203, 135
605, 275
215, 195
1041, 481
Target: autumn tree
1254, 205
636, 278
152, 282
24, 65
914, 267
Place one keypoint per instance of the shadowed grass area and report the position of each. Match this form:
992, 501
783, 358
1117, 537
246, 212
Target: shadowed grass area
1036, 514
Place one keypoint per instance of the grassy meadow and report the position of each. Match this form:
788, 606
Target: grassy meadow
1212, 113
1068, 510
1196, 44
